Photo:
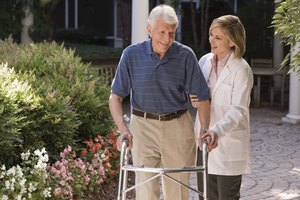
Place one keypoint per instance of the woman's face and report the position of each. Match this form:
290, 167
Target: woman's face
219, 42
162, 35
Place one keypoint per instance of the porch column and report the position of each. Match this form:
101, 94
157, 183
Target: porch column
66, 14
75, 14
294, 98
140, 11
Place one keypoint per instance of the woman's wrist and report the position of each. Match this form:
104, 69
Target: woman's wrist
203, 130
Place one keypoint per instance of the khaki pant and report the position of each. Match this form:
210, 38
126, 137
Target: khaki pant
164, 144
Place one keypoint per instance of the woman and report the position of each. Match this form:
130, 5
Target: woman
230, 80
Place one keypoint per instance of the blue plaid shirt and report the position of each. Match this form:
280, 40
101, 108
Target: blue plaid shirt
159, 86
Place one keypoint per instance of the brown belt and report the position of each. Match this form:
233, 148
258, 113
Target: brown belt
162, 117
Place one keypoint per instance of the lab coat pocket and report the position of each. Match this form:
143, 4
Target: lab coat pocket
222, 94
236, 145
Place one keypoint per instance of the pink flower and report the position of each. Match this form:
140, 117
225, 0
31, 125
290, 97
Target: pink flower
57, 191
62, 154
86, 179
69, 148
62, 183
99, 181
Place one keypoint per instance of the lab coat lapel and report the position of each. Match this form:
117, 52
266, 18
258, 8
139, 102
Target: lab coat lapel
225, 72
206, 69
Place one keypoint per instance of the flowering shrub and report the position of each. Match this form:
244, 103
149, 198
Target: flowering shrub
106, 149
68, 178
28, 181
71, 176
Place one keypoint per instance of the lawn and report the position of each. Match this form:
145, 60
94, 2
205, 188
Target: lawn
91, 51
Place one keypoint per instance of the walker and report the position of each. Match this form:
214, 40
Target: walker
160, 172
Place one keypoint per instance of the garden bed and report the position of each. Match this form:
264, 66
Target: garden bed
109, 191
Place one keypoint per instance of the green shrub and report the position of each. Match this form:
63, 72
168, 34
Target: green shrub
17, 103
286, 24
72, 98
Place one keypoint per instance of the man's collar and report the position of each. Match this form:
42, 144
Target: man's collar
172, 52
148, 46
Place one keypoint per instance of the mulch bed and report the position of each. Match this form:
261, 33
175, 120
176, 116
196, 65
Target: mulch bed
110, 189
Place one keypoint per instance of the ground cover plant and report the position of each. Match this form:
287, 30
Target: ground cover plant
76, 175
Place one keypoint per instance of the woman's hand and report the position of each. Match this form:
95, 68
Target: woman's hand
194, 100
211, 138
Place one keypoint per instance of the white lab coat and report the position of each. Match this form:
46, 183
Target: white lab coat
229, 116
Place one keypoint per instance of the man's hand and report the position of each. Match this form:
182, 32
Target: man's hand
124, 136
211, 138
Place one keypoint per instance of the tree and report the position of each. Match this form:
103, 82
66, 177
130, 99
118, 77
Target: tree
204, 24
124, 7
209, 10
13, 11
42, 28
194, 25
286, 22
10, 23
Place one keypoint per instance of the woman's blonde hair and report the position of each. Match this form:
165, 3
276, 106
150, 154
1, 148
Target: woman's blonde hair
234, 29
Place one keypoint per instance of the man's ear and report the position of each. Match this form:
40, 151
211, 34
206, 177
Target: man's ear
149, 30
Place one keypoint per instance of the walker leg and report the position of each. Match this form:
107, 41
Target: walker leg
204, 161
123, 173
125, 176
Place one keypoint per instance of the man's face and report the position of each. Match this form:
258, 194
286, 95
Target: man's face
162, 35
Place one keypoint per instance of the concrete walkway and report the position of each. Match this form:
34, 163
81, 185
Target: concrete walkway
275, 154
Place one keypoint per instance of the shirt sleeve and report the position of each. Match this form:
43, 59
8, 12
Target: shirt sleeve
121, 84
196, 81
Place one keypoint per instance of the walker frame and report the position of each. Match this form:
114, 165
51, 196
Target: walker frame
160, 172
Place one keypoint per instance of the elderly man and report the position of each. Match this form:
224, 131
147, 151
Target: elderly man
159, 73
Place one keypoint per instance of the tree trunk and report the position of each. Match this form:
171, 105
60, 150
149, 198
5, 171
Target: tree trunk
194, 25
204, 18
50, 18
122, 8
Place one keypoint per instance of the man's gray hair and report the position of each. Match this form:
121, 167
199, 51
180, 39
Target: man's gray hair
165, 12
